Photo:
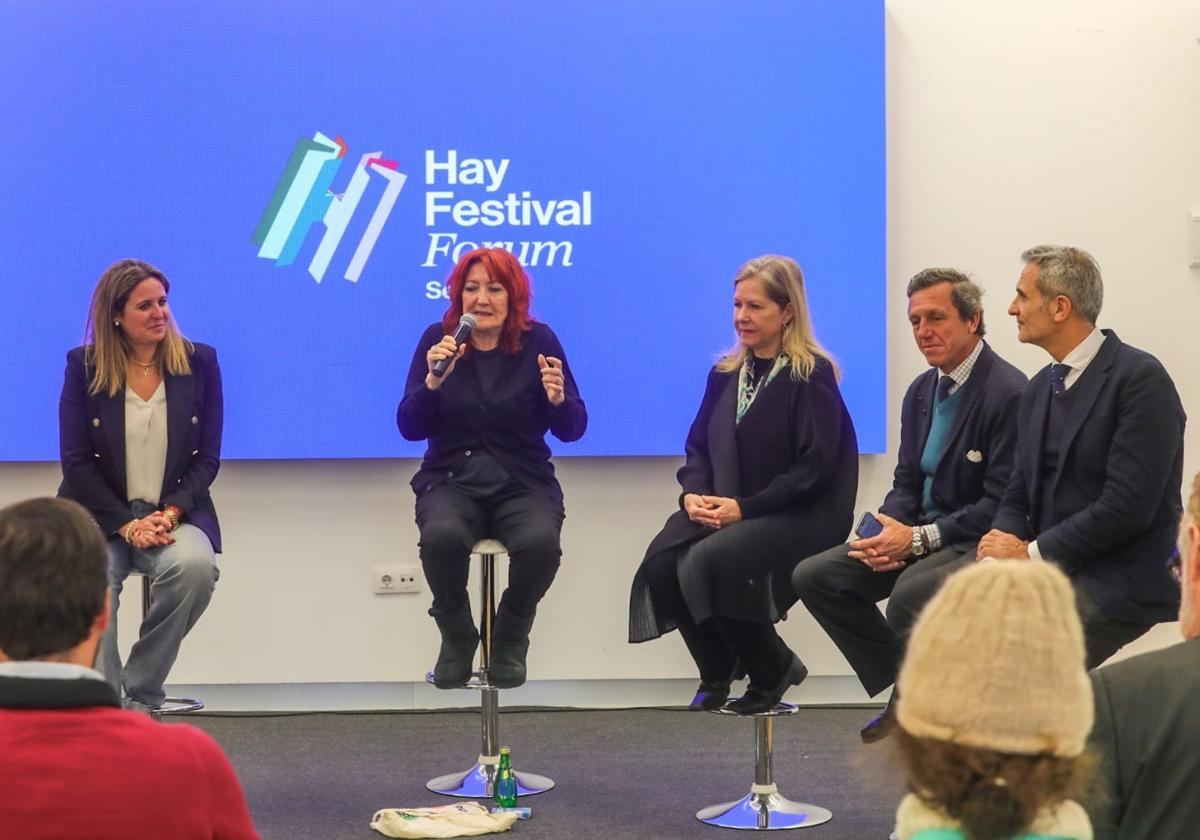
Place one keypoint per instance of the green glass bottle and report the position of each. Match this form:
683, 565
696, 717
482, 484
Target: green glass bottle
505, 794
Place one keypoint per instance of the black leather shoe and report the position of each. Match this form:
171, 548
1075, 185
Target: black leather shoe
758, 700
880, 726
709, 696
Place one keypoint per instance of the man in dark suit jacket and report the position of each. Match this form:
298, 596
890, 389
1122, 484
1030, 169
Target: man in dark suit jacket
1145, 733
1099, 457
957, 440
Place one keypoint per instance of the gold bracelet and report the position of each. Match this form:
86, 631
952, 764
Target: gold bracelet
129, 531
172, 513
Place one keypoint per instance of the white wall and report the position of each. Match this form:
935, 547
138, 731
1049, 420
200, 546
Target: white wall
1009, 124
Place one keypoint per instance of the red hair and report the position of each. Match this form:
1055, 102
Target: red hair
503, 268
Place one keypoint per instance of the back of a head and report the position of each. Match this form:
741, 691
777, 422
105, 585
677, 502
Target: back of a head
53, 577
995, 703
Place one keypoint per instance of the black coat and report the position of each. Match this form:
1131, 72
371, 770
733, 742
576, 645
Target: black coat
970, 478
792, 465
511, 421
1116, 492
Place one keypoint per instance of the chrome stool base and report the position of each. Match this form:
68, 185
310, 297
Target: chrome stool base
479, 781
764, 808
764, 812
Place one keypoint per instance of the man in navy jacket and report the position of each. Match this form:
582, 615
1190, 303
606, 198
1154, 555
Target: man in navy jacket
1096, 485
957, 441
1145, 737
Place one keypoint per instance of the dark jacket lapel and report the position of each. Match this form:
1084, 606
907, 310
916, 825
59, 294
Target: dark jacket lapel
1087, 388
722, 442
1032, 454
111, 411
926, 393
972, 392
179, 420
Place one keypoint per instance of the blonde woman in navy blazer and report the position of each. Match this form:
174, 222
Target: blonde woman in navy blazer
139, 401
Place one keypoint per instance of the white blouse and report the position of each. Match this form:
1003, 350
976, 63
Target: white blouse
145, 444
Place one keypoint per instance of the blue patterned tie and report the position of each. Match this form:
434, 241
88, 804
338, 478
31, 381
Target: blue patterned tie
943, 388
1058, 379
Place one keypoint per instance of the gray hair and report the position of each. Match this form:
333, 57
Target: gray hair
1072, 273
964, 292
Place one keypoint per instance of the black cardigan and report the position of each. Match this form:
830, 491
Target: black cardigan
510, 422
792, 462
795, 445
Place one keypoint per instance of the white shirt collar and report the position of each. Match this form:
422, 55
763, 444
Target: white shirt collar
1079, 358
40, 669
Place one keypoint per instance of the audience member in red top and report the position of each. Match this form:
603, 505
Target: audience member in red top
73, 763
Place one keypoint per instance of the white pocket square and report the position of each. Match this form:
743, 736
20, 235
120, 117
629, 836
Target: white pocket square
974, 456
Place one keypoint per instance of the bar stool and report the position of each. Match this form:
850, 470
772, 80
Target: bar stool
171, 705
478, 782
764, 808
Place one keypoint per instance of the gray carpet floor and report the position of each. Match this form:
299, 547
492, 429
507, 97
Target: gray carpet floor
640, 773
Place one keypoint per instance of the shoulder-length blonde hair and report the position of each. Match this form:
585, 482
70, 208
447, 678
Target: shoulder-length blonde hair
106, 347
783, 281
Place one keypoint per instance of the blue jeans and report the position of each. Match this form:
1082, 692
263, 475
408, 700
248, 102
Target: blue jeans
183, 576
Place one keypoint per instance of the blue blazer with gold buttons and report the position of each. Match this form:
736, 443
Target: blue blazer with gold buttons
91, 434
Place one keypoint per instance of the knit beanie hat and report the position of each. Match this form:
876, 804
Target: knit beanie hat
996, 661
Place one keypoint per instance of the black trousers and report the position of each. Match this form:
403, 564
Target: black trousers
1102, 636
717, 643
451, 522
842, 593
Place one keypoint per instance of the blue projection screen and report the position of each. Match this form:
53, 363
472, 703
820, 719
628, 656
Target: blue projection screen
305, 174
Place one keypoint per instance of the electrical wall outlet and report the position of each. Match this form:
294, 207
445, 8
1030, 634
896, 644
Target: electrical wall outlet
387, 580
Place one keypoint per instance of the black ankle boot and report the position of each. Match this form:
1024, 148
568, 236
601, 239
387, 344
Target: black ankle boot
510, 644
457, 654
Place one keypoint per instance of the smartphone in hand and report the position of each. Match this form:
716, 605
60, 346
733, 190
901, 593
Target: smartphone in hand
868, 526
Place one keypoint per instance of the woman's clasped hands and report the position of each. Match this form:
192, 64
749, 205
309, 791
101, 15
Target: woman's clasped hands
150, 531
713, 511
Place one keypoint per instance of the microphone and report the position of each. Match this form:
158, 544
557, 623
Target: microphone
465, 324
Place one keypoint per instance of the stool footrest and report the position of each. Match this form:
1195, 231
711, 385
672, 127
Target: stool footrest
178, 706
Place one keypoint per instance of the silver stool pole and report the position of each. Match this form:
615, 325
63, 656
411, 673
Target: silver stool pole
479, 781
764, 808
170, 705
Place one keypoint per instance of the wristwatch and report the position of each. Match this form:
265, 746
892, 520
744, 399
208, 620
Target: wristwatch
918, 542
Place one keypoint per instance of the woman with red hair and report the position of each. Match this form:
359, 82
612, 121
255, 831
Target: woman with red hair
487, 470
